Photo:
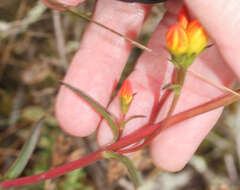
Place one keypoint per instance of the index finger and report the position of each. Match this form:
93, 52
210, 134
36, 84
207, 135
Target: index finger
98, 63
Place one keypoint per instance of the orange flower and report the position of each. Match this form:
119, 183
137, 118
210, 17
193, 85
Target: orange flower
177, 40
183, 17
126, 96
197, 38
185, 40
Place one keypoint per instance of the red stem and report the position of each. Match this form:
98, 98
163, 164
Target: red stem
159, 105
136, 136
206, 107
53, 173
153, 117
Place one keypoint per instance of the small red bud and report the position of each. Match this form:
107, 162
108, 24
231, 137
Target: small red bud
126, 96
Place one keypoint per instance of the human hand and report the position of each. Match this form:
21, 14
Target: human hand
102, 56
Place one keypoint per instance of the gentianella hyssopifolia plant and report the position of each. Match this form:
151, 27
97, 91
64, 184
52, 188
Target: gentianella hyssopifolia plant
185, 41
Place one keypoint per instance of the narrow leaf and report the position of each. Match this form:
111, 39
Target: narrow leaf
175, 87
27, 150
130, 119
99, 108
166, 86
127, 162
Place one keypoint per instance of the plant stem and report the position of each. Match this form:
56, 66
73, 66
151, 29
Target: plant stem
134, 137
53, 173
154, 130
179, 75
160, 103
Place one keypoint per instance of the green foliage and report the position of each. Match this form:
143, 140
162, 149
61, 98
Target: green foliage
74, 180
126, 162
33, 113
27, 150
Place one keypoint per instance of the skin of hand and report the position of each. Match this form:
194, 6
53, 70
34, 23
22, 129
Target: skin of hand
102, 56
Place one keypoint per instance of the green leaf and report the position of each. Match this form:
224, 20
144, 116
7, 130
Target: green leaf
130, 119
174, 87
27, 150
99, 108
127, 162
75, 180
166, 86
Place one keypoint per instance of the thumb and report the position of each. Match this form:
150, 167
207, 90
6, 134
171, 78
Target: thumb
59, 4
221, 18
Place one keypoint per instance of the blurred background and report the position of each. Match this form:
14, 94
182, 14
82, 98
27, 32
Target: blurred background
36, 46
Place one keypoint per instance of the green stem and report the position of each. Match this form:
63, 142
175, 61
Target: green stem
179, 79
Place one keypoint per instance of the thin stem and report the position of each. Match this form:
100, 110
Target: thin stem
179, 75
221, 87
53, 173
134, 137
179, 78
158, 107
154, 130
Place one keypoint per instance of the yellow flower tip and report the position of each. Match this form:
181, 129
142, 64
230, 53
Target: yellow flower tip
183, 17
198, 38
177, 40
126, 95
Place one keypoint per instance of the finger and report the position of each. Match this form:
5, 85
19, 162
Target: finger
222, 21
57, 4
98, 64
147, 80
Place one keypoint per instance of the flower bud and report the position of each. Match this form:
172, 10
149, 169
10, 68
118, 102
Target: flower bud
177, 40
126, 96
183, 17
197, 38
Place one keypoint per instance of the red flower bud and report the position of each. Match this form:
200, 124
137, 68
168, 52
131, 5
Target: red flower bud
126, 96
